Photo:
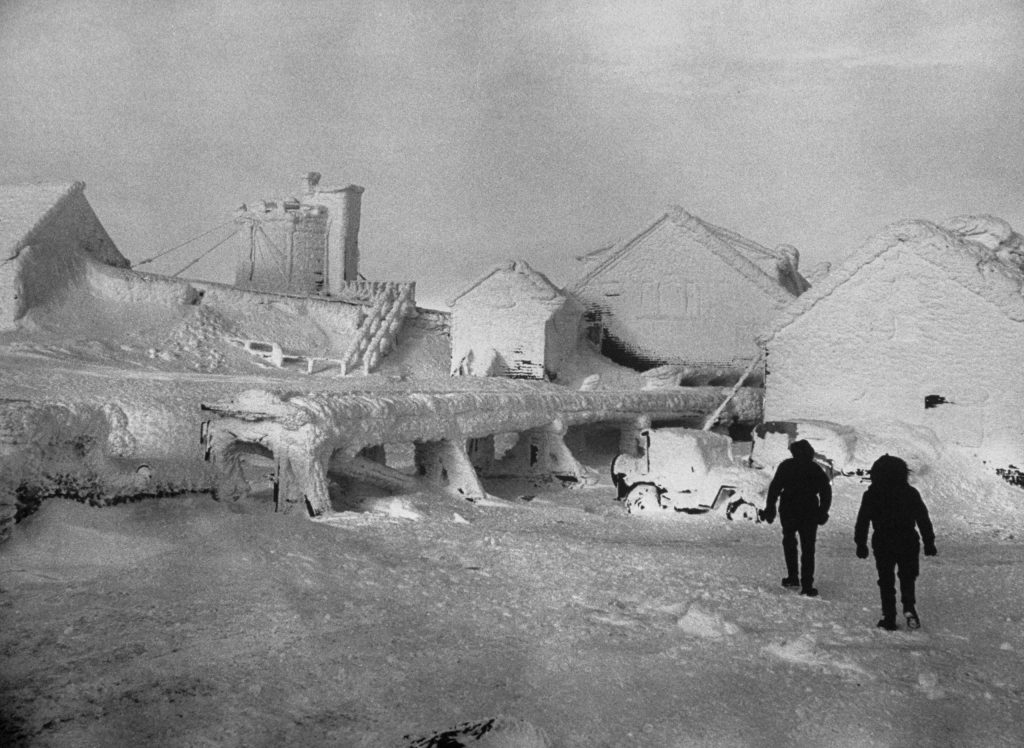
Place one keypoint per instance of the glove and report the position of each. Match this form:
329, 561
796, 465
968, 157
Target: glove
822, 518
769, 515
862, 551
931, 550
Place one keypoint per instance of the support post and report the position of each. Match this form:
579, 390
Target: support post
713, 418
629, 435
220, 450
446, 463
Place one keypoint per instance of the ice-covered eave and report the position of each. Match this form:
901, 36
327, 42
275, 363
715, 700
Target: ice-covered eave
728, 246
722, 245
548, 291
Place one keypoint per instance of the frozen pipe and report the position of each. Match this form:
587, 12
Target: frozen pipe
372, 471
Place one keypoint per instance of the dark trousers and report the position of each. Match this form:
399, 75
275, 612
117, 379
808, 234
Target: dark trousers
890, 565
807, 531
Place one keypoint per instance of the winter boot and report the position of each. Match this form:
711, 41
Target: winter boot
790, 582
913, 622
809, 592
888, 623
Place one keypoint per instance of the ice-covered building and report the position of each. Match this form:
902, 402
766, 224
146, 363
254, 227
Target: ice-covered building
683, 291
513, 322
45, 229
307, 245
924, 325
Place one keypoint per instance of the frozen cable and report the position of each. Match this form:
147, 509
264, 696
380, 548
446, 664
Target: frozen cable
187, 241
175, 275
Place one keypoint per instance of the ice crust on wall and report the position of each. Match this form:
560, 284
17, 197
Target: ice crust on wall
922, 314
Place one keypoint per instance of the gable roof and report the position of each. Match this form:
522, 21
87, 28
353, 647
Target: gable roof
754, 262
969, 263
26, 208
548, 290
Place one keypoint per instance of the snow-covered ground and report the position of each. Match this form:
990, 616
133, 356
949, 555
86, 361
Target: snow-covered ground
183, 621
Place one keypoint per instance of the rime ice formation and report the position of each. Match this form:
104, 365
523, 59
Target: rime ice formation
140, 352
683, 291
993, 233
305, 246
923, 325
73, 450
310, 435
56, 254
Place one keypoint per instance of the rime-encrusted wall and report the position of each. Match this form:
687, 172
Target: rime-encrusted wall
44, 275
514, 323
337, 316
306, 245
900, 331
283, 250
669, 299
123, 285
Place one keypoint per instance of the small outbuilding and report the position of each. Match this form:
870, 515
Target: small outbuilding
513, 322
685, 292
924, 325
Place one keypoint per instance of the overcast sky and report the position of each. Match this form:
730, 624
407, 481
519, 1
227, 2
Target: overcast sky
487, 130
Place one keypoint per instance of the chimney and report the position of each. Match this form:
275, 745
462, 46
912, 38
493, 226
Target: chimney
351, 207
309, 182
341, 257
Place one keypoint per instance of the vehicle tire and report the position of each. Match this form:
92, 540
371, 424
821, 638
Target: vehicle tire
621, 489
643, 498
741, 509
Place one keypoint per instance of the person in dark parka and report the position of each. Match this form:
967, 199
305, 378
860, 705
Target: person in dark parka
804, 496
896, 511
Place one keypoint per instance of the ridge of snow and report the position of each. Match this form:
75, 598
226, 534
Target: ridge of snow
728, 246
969, 263
539, 280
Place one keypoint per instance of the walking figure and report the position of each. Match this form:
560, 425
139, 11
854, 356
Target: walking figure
804, 495
896, 511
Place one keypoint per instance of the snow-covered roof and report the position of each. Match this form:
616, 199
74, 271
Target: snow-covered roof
754, 262
969, 263
26, 208
548, 290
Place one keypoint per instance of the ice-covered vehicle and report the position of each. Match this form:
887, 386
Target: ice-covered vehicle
843, 450
688, 470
